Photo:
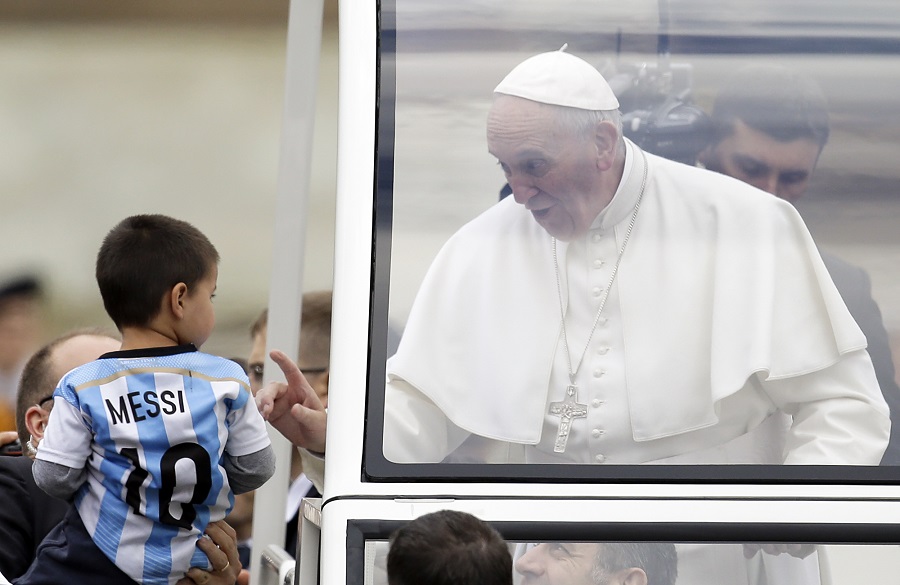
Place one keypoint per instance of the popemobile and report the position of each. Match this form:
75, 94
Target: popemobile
616, 278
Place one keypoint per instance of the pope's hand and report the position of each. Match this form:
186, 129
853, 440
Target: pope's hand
294, 407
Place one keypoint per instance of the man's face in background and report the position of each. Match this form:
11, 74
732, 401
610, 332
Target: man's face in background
558, 563
780, 168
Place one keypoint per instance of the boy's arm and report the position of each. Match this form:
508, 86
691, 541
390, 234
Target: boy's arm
60, 464
249, 459
248, 472
58, 480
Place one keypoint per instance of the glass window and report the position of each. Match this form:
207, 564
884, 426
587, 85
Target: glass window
562, 296
596, 561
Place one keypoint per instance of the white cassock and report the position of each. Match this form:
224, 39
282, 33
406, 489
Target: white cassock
721, 319
723, 340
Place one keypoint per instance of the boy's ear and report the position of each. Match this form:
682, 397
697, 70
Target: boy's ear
176, 299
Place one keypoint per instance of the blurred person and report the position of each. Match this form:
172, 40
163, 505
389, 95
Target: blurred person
20, 333
175, 429
448, 548
599, 563
770, 127
313, 357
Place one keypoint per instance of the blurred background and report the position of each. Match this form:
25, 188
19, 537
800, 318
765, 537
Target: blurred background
110, 109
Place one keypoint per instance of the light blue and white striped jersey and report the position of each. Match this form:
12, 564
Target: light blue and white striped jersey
152, 428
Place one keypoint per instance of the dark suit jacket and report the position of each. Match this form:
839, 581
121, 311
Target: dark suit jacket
856, 289
26, 515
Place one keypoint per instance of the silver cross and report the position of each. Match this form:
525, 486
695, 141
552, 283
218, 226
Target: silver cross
567, 410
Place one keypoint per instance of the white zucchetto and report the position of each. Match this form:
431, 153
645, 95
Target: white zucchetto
560, 79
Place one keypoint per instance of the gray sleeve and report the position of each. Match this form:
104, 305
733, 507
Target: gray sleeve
60, 481
248, 472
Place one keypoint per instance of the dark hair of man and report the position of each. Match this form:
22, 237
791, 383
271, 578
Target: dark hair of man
448, 548
142, 258
658, 560
315, 329
776, 101
38, 378
260, 323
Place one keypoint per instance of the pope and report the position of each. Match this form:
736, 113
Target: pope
619, 308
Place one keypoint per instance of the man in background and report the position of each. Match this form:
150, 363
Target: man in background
315, 346
20, 333
599, 563
770, 125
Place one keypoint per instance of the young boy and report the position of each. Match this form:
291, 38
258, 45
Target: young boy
152, 439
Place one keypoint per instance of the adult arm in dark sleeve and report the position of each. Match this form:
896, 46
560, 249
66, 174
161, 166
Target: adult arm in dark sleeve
855, 287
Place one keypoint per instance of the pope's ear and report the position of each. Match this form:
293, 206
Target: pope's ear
606, 139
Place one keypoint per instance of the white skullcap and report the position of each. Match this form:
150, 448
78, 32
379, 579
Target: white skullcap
560, 79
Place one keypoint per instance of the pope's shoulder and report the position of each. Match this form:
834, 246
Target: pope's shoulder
710, 189
502, 218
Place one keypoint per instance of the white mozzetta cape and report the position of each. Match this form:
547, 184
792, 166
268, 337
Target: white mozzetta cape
719, 282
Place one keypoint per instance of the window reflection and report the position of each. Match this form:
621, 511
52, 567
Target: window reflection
654, 563
444, 177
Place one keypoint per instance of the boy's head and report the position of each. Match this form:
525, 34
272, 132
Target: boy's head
147, 260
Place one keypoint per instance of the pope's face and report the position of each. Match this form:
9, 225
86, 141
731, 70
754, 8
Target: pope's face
553, 171
780, 168
558, 563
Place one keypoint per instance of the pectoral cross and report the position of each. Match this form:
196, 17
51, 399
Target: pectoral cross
567, 410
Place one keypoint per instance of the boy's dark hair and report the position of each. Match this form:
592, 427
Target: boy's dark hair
142, 258
448, 548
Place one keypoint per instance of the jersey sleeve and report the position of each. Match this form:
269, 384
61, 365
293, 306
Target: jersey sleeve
247, 432
67, 438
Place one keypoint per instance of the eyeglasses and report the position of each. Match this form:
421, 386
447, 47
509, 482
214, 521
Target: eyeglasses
45, 399
257, 370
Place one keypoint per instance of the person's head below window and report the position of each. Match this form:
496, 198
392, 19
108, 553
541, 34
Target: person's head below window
448, 548
770, 125
594, 563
